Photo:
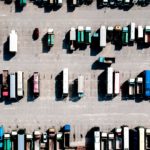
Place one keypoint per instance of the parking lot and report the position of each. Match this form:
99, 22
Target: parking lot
32, 56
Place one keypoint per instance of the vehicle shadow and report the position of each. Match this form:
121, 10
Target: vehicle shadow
45, 47
65, 44
6, 54
47, 9
18, 8
124, 90
69, 7
97, 65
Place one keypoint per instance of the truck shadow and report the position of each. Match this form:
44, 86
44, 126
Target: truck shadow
97, 65
6, 54
18, 8
69, 7
65, 44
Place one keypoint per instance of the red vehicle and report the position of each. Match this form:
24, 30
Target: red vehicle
36, 84
5, 88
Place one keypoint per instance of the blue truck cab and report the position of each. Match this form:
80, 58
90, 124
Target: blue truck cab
1, 136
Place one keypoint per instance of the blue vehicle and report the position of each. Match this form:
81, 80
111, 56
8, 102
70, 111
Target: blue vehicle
1, 136
67, 129
147, 83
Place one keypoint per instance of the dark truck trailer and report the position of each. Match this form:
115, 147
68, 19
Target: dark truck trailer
67, 136
5, 89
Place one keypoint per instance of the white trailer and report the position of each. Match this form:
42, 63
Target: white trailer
140, 32
125, 137
131, 87
12, 85
65, 82
132, 31
13, 41
109, 80
72, 38
102, 36
37, 137
80, 86
20, 83
111, 141
116, 82
141, 138
97, 140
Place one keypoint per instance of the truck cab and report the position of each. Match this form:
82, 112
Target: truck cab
50, 37
131, 90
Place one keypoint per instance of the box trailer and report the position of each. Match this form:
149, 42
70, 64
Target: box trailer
80, 34
65, 82
139, 86
110, 34
118, 35
1, 137
147, 83
141, 135
125, 35
132, 31
147, 139
147, 35
13, 39
51, 138
14, 139
12, 86
97, 140
109, 81
7, 142
118, 138
111, 141
103, 140
50, 37
21, 139
140, 32
116, 82
67, 129
5, 91
80, 86
125, 137
72, 37
131, 89
29, 142
102, 36
37, 138
88, 35
36, 84
20, 83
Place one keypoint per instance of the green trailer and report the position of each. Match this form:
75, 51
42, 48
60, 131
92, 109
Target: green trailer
88, 35
22, 2
80, 35
50, 37
7, 142
125, 35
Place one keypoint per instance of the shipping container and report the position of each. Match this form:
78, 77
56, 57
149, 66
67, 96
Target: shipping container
109, 80
80, 34
5, 91
37, 138
139, 86
20, 84
12, 86
111, 141
13, 39
147, 35
125, 35
88, 35
131, 89
65, 82
72, 37
102, 36
118, 138
50, 37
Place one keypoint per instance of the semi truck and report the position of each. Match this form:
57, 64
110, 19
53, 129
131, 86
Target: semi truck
80, 86
1, 136
80, 35
118, 35
65, 82
125, 130
147, 139
125, 35
131, 89
37, 138
50, 37
72, 38
116, 82
5, 90
20, 84
103, 141
97, 140
147, 83
21, 139
140, 35
132, 32
13, 39
59, 139
147, 35
102, 36
14, 139
118, 137
106, 60
29, 142
36, 84
51, 138
12, 86
7, 142
110, 32
139, 86
67, 130
109, 81
111, 141
88, 35
141, 138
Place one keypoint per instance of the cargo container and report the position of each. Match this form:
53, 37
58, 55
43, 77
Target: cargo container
50, 37
141, 135
29, 142
67, 130
20, 84
147, 139
36, 84
118, 138
72, 37
80, 86
132, 31
7, 142
37, 138
109, 81
103, 141
140, 33
147, 35
102, 36
147, 83
106, 60
21, 139
5, 91
80, 34
131, 89
13, 39
88, 35
116, 82
139, 86
125, 137
12, 86
97, 140
65, 82
111, 141
1, 137
125, 35
51, 138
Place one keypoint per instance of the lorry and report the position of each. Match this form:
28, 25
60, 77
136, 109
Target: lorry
88, 35
111, 141
14, 139
139, 86
51, 138
118, 35
13, 39
65, 82
5, 90
132, 31
20, 84
118, 138
80, 86
140, 35
116, 82
102, 36
59, 140
21, 139
36, 84
125, 130
50, 37
72, 38
110, 33
80, 35
109, 81
29, 142
66, 131
131, 89
147, 35
37, 138
103, 140
141, 138
106, 60
1, 136
147, 132
147, 83
12, 85
7, 141
97, 140
125, 35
